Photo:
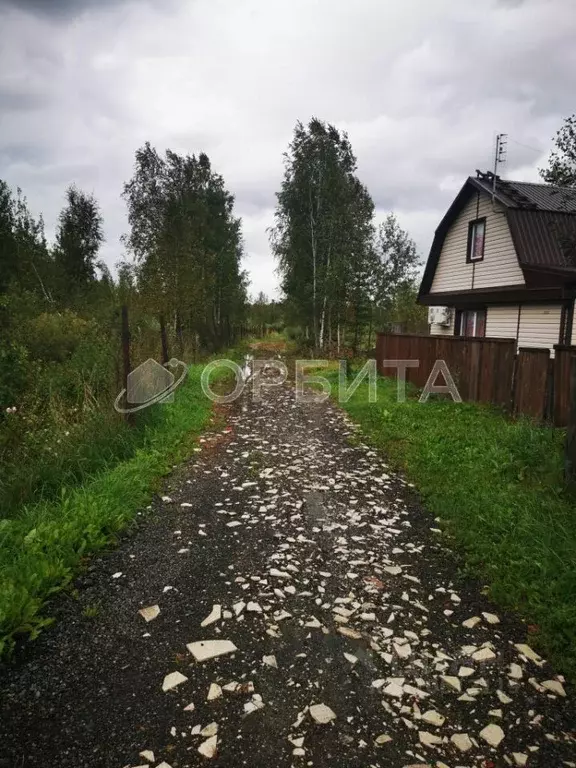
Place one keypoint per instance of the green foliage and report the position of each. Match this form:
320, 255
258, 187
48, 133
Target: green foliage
78, 239
497, 487
340, 275
42, 548
561, 169
187, 244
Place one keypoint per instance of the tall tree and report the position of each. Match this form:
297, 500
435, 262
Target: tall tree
561, 169
187, 244
323, 216
78, 239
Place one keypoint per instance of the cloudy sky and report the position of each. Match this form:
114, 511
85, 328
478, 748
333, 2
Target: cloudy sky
421, 86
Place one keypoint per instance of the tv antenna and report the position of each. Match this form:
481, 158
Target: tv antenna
499, 158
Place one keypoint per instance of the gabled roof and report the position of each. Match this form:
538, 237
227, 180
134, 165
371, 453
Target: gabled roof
541, 217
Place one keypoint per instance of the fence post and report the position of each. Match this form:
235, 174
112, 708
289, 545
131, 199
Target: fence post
570, 446
164, 340
126, 355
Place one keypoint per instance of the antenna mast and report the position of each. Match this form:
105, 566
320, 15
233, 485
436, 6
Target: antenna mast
499, 158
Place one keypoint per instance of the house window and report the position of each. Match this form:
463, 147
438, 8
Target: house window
476, 237
470, 322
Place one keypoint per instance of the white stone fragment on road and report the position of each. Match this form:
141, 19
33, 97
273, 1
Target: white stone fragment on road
279, 574
554, 686
383, 739
202, 650
515, 671
209, 748
209, 730
270, 661
429, 739
238, 608
190, 707
214, 692
163, 764
117, 575
461, 741
525, 650
351, 658
491, 618
452, 682
351, 633
172, 680
393, 570
321, 713
484, 654
472, 622
466, 671
521, 759
166, 499
253, 607
395, 690
214, 616
492, 734
149, 613
148, 755
233, 523
433, 718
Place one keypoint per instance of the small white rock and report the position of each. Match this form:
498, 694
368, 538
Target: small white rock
172, 680
209, 747
149, 613
492, 734
321, 713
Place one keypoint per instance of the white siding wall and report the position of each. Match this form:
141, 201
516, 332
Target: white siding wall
502, 321
539, 325
499, 266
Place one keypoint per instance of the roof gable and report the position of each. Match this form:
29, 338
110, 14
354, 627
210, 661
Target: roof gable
541, 217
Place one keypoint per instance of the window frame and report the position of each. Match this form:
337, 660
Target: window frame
471, 226
461, 315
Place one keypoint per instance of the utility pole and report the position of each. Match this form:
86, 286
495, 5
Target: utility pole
499, 158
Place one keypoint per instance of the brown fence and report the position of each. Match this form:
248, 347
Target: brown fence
488, 371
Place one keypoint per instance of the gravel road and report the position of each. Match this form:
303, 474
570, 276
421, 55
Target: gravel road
346, 634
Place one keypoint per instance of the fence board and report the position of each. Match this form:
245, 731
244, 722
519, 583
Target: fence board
481, 368
530, 387
562, 395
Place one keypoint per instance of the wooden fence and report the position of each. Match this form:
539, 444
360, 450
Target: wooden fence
489, 371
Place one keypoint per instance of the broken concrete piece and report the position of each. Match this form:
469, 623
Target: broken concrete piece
484, 654
270, 661
453, 682
172, 680
554, 686
149, 613
492, 734
202, 650
434, 718
322, 714
209, 747
461, 741
215, 615
214, 692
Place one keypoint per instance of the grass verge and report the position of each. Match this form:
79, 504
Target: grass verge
42, 547
497, 486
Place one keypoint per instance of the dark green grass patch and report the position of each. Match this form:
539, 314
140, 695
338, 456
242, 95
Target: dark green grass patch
42, 546
497, 486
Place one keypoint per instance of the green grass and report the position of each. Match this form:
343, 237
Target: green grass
42, 547
497, 486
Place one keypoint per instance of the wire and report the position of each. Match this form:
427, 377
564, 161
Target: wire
527, 146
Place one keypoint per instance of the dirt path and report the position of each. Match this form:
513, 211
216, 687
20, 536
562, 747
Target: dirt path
332, 584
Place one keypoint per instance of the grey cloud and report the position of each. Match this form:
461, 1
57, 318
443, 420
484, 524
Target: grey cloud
421, 89
58, 9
